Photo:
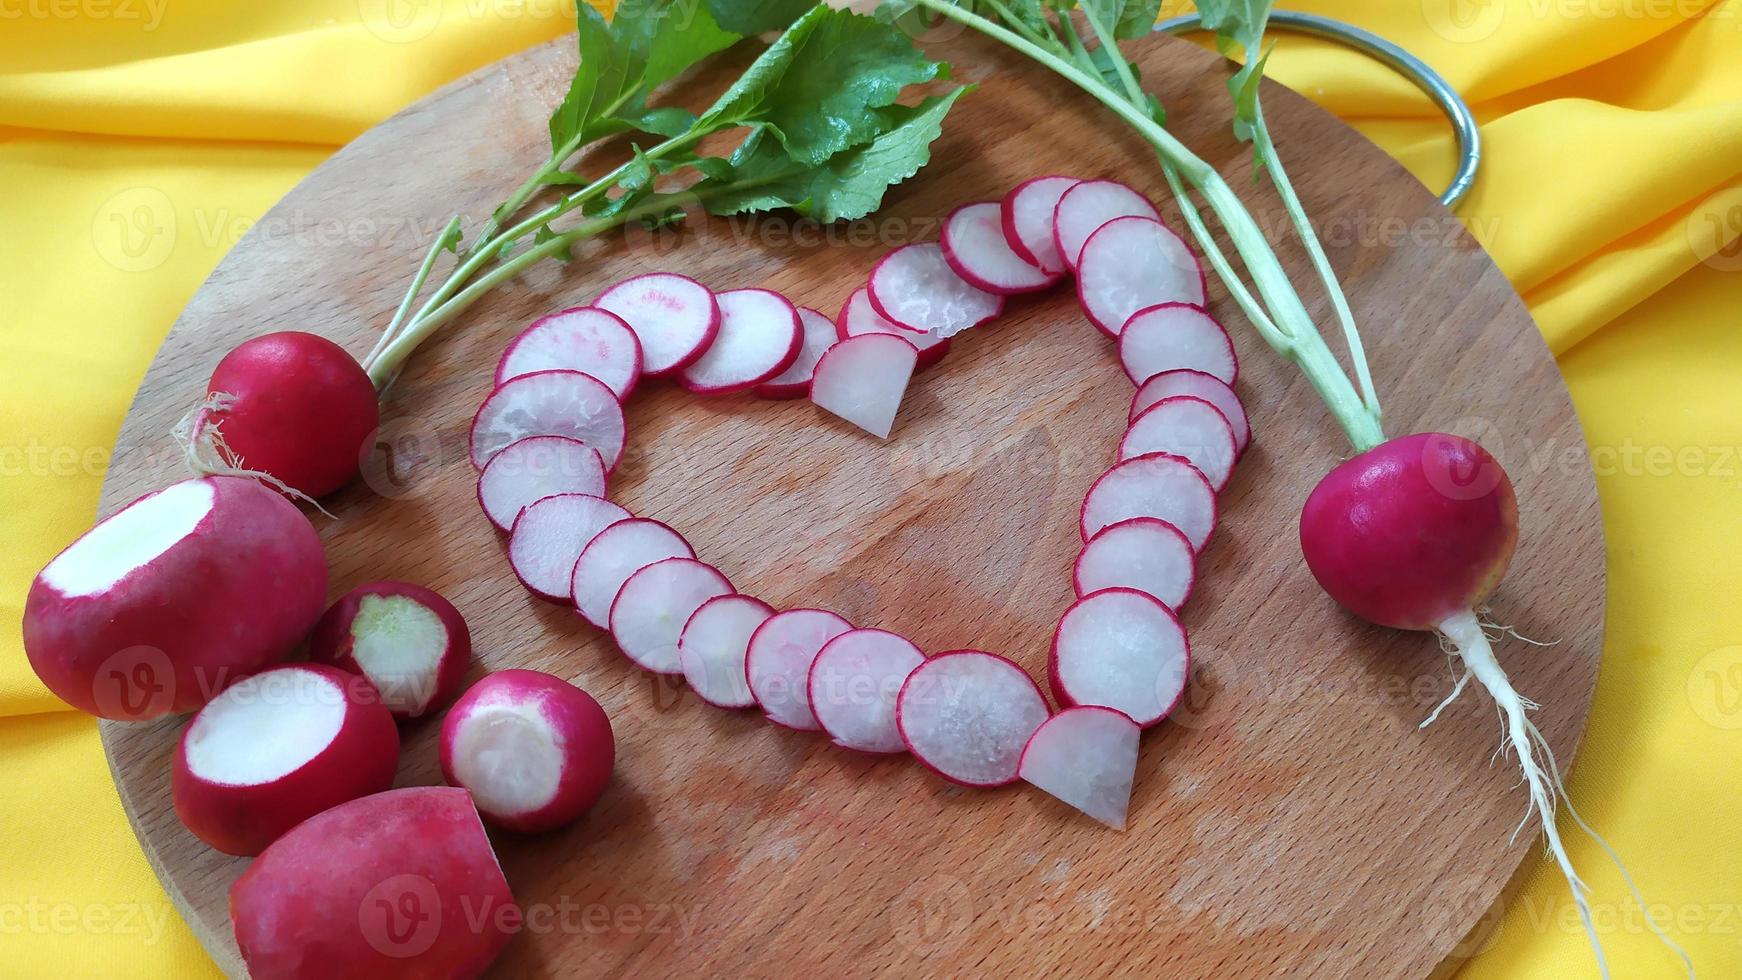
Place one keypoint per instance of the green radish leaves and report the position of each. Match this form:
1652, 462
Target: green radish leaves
1240, 24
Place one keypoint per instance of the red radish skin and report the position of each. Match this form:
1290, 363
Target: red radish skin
586, 339
1086, 206
411, 644
549, 537
712, 647
651, 608
1122, 649
156, 608
1186, 426
777, 664
864, 379
853, 684
915, 289
1176, 336
534, 468
967, 714
613, 555
294, 406
278, 747
974, 245
1142, 553
1087, 758
1200, 385
398, 884
534, 750
1130, 264
858, 317
1159, 485
760, 336
674, 317
795, 382
549, 403
1026, 214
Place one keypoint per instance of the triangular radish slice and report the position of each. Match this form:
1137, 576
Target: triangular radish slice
549, 403
1188, 426
1186, 381
1086, 757
1130, 264
713, 644
1174, 336
1159, 485
858, 317
1143, 553
778, 663
1122, 649
586, 339
613, 555
650, 611
967, 714
1089, 204
549, 536
853, 684
534, 468
673, 316
863, 379
974, 245
795, 381
1026, 214
914, 288
760, 336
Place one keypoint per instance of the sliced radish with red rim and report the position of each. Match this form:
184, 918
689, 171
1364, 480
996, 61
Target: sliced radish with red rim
1121, 649
1143, 553
614, 554
1026, 215
550, 535
974, 245
534, 468
778, 663
651, 608
1185, 381
674, 317
1130, 264
1176, 336
585, 339
1188, 426
759, 337
1158, 485
795, 381
1087, 205
967, 714
863, 380
914, 288
1085, 757
549, 403
858, 317
853, 685
713, 644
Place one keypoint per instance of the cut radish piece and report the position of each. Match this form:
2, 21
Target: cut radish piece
1086, 206
549, 403
853, 685
859, 317
915, 289
966, 715
1086, 757
585, 339
1208, 387
759, 337
1122, 649
613, 555
1130, 264
1144, 553
1176, 336
407, 641
974, 245
551, 534
1184, 425
1158, 485
778, 663
534, 468
713, 644
651, 609
673, 316
1026, 214
795, 381
863, 379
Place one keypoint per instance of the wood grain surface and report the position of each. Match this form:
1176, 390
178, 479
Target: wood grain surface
1288, 820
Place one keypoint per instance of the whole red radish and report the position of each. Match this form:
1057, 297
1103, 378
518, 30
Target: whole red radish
410, 643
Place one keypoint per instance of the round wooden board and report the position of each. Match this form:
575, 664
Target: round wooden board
1289, 819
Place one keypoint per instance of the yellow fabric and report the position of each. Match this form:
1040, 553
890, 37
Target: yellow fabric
138, 138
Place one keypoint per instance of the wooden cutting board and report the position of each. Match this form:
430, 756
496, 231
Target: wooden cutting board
1290, 819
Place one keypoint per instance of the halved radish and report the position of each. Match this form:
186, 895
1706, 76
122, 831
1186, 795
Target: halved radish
1130, 264
534, 468
1158, 485
585, 339
1186, 381
915, 289
759, 337
1026, 215
853, 685
966, 715
1086, 757
674, 317
549, 537
613, 555
1122, 649
795, 381
650, 611
1176, 336
549, 403
1087, 205
713, 644
858, 317
974, 245
406, 640
778, 663
1143, 553
1184, 425
863, 379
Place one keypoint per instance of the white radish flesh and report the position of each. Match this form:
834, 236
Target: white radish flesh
613, 555
1089, 204
1086, 757
795, 382
1130, 264
409, 642
549, 403
1196, 383
534, 468
778, 663
585, 339
1143, 553
864, 379
1158, 485
853, 685
651, 609
759, 337
1187, 426
1122, 649
974, 245
1176, 336
1026, 215
713, 644
674, 317
967, 715
915, 289
551, 534
858, 317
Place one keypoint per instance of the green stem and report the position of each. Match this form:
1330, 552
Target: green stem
449, 234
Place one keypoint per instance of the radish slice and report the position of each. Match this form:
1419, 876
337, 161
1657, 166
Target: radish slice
585, 339
1086, 206
1026, 214
795, 381
613, 555
549, 403
1208, 387
1086, 757
1130, 264
1144, 553
712, 646
915, 289
858, 317
534, 468
650, 611
551, 534
966, 715
863, 380
1158, 485
1184, 425
1176, 336
1122, 649
853, 684
974, 245
673, 316
759, 337
778, 663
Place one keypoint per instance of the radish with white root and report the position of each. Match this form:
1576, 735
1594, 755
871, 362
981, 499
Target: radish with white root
398, 884
615, 553
864, 379
1120, 648
406, 640
858, 317
974, 245
534, 468
795, 382
160, 605
1143, 553
549, 403
777, 663
586, 339
1159, 485
1131, 264
1188, 426
1185, 381
713, 646
1087, 757
760, 336
534, 750
1026, 215
674, 317
967, 714
549, 537
278, 747
1173, 337
915, 289
651, 608
1087, 205
853, 685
